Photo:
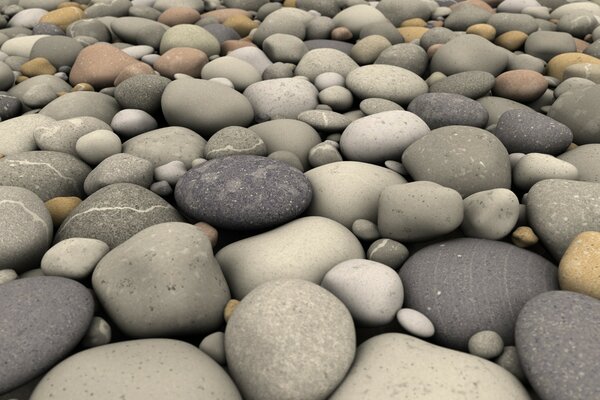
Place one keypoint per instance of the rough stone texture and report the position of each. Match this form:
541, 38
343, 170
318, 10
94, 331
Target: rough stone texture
395, 365
587, 160
143, 92
289, 339
471, 84
558, 329
63, 135
579, 269
243, 192
468, 285
82, 104
558, 210
115, 213
119, 168
43, 319
579, 110
16, 134
442, 109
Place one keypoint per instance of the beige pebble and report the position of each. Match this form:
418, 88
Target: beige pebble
524, 236
230, 308
558, 64
511, 40
7, 275
579, 268
486, 31
82, 87
63, 16
98, 334
37, 66
179, 15
410, 33
414, 22
572, 146
61, 207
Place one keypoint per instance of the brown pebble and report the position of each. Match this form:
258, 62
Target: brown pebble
231, 45
241, 24
524, 236
414, 22
432, 49
223, 13
580, 45
21, 78
410, 33
230, 308
37, 66
521, 85
341, 33
209, 231
82, 87
179, 15
60, 207
572, 146
511, 40
63, 17
558, 64
486, 31
184, 60
140, 68
99, 65
579, 268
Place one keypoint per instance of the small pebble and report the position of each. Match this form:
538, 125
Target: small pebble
98, 334
73, 258
415, 323
131, 122
162, 188
170, 172
230, 308
98, 145
60, 207
486, 344
7, 275
388, 252
365, 230
509, 360
322, 154
214, 346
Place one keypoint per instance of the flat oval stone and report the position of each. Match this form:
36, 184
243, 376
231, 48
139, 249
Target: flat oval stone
241, 73
234, 140
395, 364
45, 318
175, 285
142, 91
306, 248
536, 167
243, 192
319, 61
48, 174
324, 120
119, 168
578, 109
73, 258
281, 98
289, 336
115, 213
138, 369
59, 50
463, 158
82, 104
547, 44
567, 322
442, 109
497, 278
28, 229
188, 35
471, 84
358, 16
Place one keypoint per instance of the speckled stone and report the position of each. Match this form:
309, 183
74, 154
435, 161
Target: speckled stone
536, 167
471, 84
578, 109
115, 213
319, 61
324, 120
567, 322
45, 319
266, 194
442, 109
289, 337
281, 98
17, 134
119, 168
547, 44
395, 364
558, 210
234, 140
491, 214
82, 104
73, 258
241, 73
579, 267
587, 160
143, 92
497, 278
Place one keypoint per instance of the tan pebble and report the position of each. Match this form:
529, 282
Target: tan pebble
432, 49
524, 236
436, 24
183, 60
484, 5
63, 17
223, 13
231, 45
209, 231
140, 68
289, 3
558, 64
579, 268
37, 66
486, 31
230, 308
511, 40
521, 85
61, 93
61, 207
82, 87
21, 78
410, 33
414, 22
341, 33
241, 24
70, 4
572, 146
179, 15
580, 45
366, 50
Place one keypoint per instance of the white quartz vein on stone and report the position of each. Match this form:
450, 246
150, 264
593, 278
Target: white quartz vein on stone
28, 211
25, 162
68, 221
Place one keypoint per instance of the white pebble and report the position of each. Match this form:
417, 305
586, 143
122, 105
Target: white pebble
214, 346
223, 81
98, 145
365, 230
415, 323
170, 172
7, 275
131, 122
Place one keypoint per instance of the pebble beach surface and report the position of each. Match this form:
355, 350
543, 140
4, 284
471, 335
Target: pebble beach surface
299, 199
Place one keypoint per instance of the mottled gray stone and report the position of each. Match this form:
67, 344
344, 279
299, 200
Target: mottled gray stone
57, 85
325, 121
62, 135
558, 210
281, 98
496, 106
547, 44
398, 11
289, 338
472, 84
16, 134
318, 61
465, 15
504, 22
536, 167
385, 29
281, 47
405, 55
243, 192
442, 109
82, 104
234, 140
143, 92
436, 35
43, 320
468, 285
73, 258
558, 329
115, 213
587, 160
119, 168
579, 109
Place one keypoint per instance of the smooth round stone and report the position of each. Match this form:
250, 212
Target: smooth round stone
119, 168
376, 105
73, 258
300, 328
587, 160
56, 83
289, 21
234, 140
99, 64
547, 44
48, 316
27, 18
163, 5
535, 167
526, 131
506, 22
161, 188
287, 157
337, 97
486, 344
496, 106
526, 62
8, 275
241, 73
583, 70
16, 134
516, 6
559, 64
560, 320
323, 153
187, 35
520, 85
471, 84
463, 158
306, 248
437, 277
385, 29
10, 106
271, 191
578, 269
28, 228
365, 230
491, 214
39, 96
7, 78
391, 361
138, 369
59, 50
436, 35
20, 45
82, 104
221, 106
147, 307
278, 70
509, 360
98, 145
385, 81
399, 12
131, 122
281, 98
214, 346
578, 110
62, 135
404, 55
418, 211
388, 252
319, 61
577, 24
61, 207
463, 53
281, 47
415, 323
170, 172
115, 213
558, 210
466, 15
253, 55
325, 121
358, 16
371, 291
48, 174
143, 92
349, 190
328, 79
442, 109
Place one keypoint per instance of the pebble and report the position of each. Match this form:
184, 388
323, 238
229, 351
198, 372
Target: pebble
131, 122
576, 109
170, 172
415, 323
141, 92
509, 360
319, 61
405, 55
369, 49
524, 237
82, 104
161, 188
62, 135
558, 64
443, 109
578, 268
185, 60
234, 140
73, 258
214, 346
99, 65
490, 214
365, 230
338, 98
486, 344
520, 85
17, 134
97, 145
471, 84
99, 333
585, 159
323, 153
376, 105
281, 98
388, 252
536, 167
60, 207
241, 73
119, 168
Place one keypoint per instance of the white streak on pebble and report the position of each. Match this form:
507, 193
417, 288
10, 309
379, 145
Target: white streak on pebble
28, 211
67, 222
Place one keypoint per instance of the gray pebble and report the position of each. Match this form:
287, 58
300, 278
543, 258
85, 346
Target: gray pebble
234, 140
99, 333
132, 122
365, 230
214, 346
486, 344
162, 188
119, 168
98, 145
73, 258
472, 84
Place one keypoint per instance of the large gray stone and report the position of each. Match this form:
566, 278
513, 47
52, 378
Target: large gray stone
468, 285
82, 104
115, 213
579, 109
443, 109
281, 98
471, 84
43, 319
16, 134
557, 342
243, 192
290, 21
61, 51
142, 92
587, 160
547, 44
289, 339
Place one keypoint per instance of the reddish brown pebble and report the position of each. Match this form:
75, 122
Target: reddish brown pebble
230, 308
341, 33
209, 231
184, 60
521, 85
179, 15
139, 68
99, 65
231, 45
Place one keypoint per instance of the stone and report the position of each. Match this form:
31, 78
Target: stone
443, 109
471, 84
63, 16
323, 153
17, 134
486, 31
486, 344
157, 261
578, 268
241, 73
230, 308
491, 214
179, 15
20, 45
559, 63
82, 104
496, 106
115, 213
144, 363
388, 252
139, 68
214, 346
405, 55
324, 120
368, 49
437, 278
234, 140
60, 207
319, 61
281, 47
395, 364
48, 317
281, 98
28, 227
583, 70
131, 122
535, 167
547, 44
62, 135
338, 98
415, 323
37, 66
371, 291
522, 85
73, 258
268, 194
365, 230
376, 105
578, 110
98, 334
99, 65
524, 237
560, 320
585, 159
187, 35
184, 60
297, 326
39, 96
142, 92
96, 146
119, 168
465, 16
8, 275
